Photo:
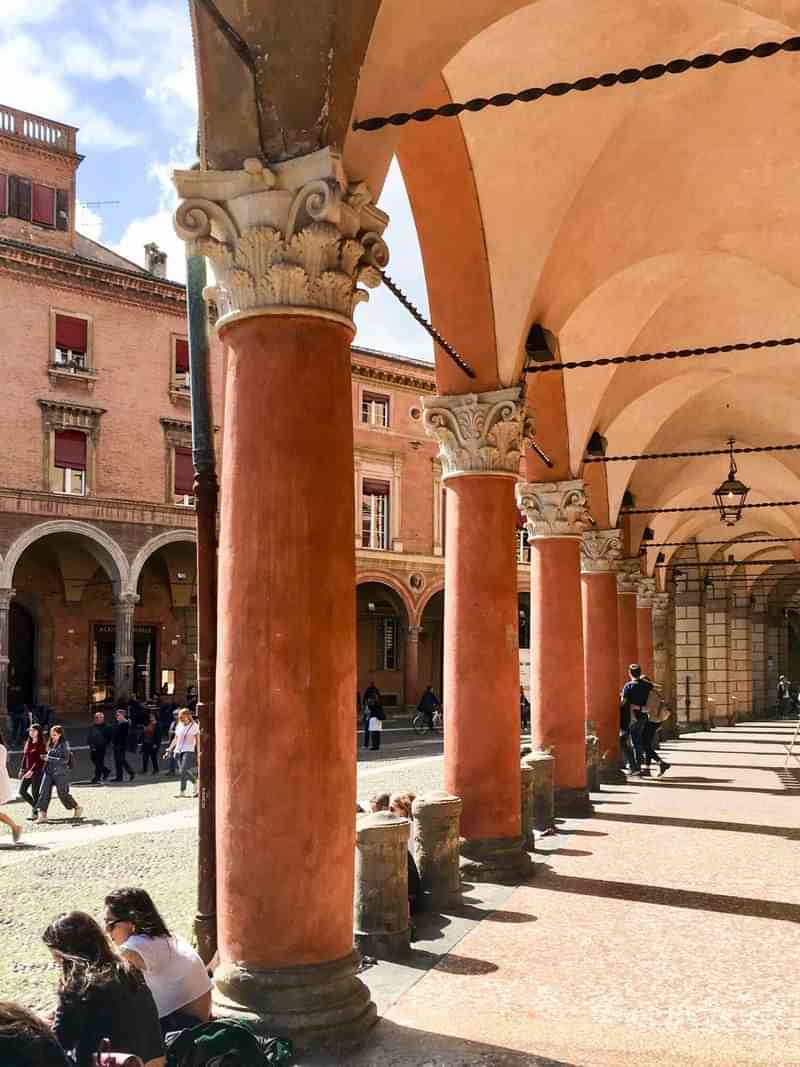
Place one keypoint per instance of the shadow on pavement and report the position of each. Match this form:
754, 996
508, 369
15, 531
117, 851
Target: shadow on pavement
707, 824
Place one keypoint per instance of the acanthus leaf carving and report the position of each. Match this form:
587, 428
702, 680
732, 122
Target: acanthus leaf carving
554, 509
600, 551
629, 572
478, 433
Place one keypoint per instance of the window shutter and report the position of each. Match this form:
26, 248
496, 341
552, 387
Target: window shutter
181, 356
22, 199
72, 333
3, 194
43, 209
62, 209
371, 487
71, 449
184, 472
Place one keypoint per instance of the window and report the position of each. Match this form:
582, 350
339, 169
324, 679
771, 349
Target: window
180, 363
375, 409
183, 476
386, 643
523, 545
3, 194
71, 343
43, 210
69, 461
374, 514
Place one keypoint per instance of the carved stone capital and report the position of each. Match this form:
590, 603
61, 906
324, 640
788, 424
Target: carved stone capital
645, 592
478, 433
629, 573
295, 236
126, 603
6, 596
600, 551
661, 602
554, 509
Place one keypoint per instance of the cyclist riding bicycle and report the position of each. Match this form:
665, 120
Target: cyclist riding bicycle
428, 706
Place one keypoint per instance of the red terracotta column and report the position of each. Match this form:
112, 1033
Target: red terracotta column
644, 625
556, 515
480, 438
287, 247
600, 551
628, 577
411, 691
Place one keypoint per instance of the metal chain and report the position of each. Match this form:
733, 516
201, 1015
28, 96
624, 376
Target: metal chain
629, 76
649, 357
690, 455
732, 563
708, 507
453, 353
749, 541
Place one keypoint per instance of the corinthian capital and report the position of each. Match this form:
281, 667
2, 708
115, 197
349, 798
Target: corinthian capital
478, 433
629, 574
645, 592
660, 604
295, 235
554, 509
600, 551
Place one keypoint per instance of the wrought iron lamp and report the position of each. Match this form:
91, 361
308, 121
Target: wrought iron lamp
731, 495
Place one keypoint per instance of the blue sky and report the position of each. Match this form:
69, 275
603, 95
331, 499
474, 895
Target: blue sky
123, 71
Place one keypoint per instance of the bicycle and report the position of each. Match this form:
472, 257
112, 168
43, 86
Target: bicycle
421, 726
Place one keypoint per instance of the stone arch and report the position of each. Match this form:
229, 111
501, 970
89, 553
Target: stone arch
169, 537
103, 547
382, 578
436, 586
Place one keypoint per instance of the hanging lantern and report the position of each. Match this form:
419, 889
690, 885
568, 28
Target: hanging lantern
731, 495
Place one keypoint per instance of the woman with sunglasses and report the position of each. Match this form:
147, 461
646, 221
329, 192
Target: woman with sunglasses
100, 995
7, 792
175, 974
58, 761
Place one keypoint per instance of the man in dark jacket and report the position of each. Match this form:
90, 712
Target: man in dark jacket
429, 703
524, 710
641, 731
119, 739
98, 741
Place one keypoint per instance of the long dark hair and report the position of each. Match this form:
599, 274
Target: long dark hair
88, 959
39, 742
136, 906
60, 731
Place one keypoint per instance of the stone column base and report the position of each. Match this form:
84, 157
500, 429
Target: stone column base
321, 1005
573, 803
384, 944
502, 860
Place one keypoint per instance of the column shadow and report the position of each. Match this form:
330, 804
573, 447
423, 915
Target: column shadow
705, 824
682, 783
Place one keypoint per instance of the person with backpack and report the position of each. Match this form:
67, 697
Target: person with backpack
58, 763
639, 696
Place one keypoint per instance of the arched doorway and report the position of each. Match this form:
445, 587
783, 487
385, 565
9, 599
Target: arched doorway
431, 645
381, 632
21, 656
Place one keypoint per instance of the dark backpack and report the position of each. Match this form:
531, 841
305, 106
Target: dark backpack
226, 1043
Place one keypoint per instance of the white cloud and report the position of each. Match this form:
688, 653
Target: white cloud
82, 58
158, 226
89, 222
19, 11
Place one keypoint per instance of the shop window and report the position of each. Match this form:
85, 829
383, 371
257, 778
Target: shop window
183, 476
375, 514
387, 643
69, 462
71, 347
375, 409
180, 363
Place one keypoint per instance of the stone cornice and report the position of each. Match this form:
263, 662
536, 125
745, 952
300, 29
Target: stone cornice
389, 376
93, 508
71, 271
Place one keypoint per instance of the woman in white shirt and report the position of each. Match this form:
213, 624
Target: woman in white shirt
183, 747
7, 792
174, 973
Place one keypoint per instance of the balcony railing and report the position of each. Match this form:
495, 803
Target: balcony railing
40, 131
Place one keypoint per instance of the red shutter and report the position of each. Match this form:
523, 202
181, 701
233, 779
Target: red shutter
44, 205
72, 333
184, 472
374, 488
3, 194
71, 449
181, 356
19, 197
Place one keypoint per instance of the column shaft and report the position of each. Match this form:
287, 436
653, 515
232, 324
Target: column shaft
644, 640
601, 661
411, 668
286, 662
482, 656
6, 596
124, 610
628, 623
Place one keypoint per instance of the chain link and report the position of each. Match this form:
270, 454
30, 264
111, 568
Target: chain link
691, 455
707, 507
453, 353
749, 541
629, 76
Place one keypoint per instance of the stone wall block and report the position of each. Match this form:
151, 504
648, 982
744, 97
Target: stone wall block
437, 817
380, 909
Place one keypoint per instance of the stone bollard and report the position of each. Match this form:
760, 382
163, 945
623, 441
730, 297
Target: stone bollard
593, 763
437, 816
544, 808
380, 909
527, 774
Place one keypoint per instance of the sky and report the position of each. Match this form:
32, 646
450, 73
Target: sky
123, 72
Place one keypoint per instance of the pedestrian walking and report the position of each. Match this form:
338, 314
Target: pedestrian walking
184, 746
372, 700
98, 741
172, 769
7, 793
784, 696
524, 710
428, 706
375, 727
151, 742
120, 738
31, 769
635, 694
58, 762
